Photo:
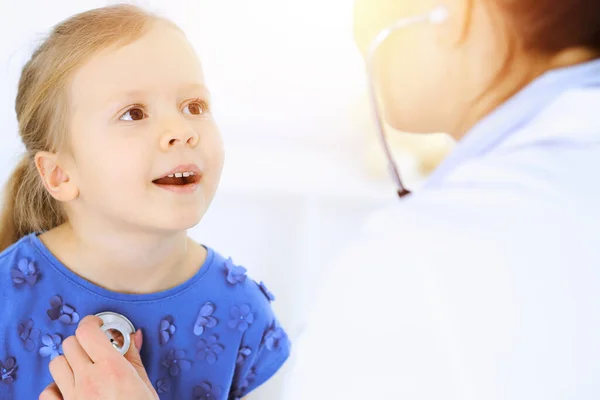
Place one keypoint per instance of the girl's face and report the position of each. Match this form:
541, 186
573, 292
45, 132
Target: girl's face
145, 152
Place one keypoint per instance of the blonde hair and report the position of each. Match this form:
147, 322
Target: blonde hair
41, 107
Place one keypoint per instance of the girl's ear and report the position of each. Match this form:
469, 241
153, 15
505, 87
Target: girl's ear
55, 177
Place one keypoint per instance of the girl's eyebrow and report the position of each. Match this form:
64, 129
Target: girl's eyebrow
142, 93
197, 87
126, 95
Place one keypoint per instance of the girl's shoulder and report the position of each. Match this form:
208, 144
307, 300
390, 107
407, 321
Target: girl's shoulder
235, 282
18, 263
244, 304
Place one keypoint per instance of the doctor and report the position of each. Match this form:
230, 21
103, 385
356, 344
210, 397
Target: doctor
485, 283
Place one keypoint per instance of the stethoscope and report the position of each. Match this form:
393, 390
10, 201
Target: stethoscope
436, 16
112, 323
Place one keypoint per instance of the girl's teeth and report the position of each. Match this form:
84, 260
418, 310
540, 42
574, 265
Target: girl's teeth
181, 175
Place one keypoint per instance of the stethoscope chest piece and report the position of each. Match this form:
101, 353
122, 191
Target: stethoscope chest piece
118, 329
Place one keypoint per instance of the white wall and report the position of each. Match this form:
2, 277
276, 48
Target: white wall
288, 87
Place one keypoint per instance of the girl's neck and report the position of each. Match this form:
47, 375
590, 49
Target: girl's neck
126, 262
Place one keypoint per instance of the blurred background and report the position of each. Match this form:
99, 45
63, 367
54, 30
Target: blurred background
303, 167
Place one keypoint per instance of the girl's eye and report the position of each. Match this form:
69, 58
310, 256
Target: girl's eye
133, 114
195, 107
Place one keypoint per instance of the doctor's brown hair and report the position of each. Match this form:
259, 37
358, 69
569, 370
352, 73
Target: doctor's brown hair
549, 26
539, 28
41, 107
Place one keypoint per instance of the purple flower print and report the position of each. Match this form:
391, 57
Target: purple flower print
241, 317
273, 337
62, 312
167, 329
249, 378
175, 362
235, 274
163, 386
205, 319
243, 354
245, 384
8, 369
206, 391
28, 334
25, 273
209, 349
52, 346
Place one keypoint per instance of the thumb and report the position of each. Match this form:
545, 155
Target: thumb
134, 358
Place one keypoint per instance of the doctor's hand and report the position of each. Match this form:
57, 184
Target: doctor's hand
92, 369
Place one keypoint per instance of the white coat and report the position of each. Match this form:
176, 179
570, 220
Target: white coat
484, 284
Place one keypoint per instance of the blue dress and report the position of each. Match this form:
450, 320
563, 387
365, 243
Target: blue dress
212, 337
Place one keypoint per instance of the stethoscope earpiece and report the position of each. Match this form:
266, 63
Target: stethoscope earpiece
439, 14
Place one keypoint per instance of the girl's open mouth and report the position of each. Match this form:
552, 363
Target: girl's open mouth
178, 179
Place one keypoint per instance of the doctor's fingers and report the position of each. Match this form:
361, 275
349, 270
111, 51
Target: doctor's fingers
62, 374
51, 393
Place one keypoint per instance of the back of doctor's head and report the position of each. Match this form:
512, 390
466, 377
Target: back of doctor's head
41, 108
445, 77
